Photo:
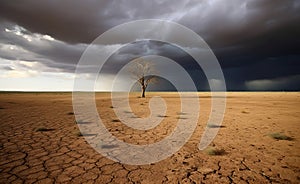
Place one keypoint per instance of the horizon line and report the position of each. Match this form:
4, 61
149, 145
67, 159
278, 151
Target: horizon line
68, 91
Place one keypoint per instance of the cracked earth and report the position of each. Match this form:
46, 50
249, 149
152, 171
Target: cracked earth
40, 141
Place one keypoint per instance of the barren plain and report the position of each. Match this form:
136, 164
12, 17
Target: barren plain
259, 141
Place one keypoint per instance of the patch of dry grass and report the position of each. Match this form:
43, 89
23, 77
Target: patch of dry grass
43, 129
214, 151
280, 136
78, 134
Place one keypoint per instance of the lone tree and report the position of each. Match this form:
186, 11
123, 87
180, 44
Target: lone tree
143, 71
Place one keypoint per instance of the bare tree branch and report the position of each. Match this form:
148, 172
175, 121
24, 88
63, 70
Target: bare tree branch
143, 72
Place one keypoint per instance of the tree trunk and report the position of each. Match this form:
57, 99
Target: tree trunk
143, 92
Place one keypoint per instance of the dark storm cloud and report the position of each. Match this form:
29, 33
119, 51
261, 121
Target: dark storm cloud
253, 39
150, 47
221, 23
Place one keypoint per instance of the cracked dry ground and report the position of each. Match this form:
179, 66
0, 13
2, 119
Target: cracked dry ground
40, 142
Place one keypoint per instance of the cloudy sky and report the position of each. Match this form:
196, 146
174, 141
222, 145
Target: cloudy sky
256, 41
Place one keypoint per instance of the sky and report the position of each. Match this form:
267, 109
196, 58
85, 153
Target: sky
255, 41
